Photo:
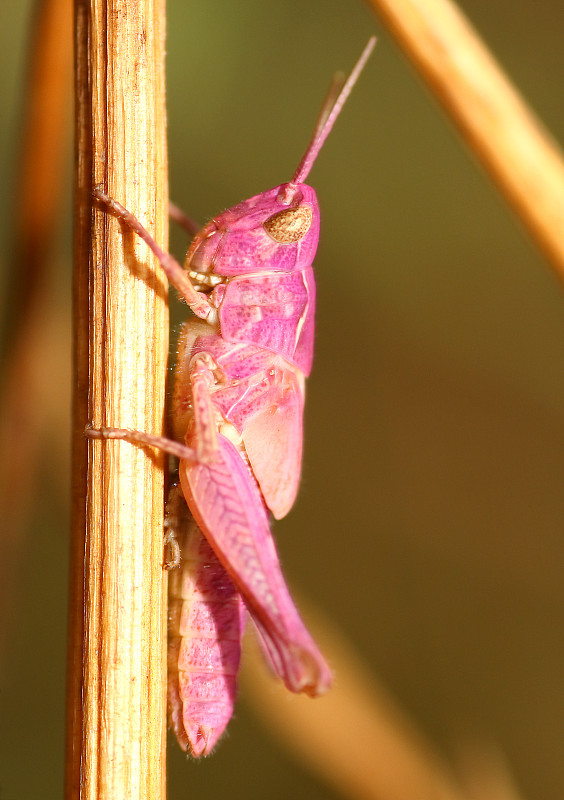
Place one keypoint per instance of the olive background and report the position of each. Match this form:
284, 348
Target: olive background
430, 518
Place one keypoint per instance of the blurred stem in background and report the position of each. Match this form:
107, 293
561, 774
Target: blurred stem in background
356, 738
31, 325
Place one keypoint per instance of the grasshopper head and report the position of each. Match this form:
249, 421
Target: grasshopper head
276, 231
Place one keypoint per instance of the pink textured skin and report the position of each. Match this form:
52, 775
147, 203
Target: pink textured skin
206, 623
271, 310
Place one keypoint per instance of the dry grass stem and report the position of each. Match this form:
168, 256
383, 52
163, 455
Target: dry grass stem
117, 654
512, 144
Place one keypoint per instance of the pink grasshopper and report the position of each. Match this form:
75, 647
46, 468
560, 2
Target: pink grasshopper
237, 409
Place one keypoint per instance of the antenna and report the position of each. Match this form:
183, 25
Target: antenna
333, 92
329, 112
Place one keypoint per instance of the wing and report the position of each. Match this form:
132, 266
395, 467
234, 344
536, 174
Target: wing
273, 440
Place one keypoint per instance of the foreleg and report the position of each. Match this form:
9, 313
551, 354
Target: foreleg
172, 269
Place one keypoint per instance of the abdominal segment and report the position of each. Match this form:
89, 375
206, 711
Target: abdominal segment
206, 623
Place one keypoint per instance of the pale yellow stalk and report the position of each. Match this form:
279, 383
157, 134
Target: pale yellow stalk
116, 732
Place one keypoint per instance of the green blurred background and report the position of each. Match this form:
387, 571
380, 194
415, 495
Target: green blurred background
429, 524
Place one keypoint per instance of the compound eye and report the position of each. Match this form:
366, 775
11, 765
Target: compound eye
289, 225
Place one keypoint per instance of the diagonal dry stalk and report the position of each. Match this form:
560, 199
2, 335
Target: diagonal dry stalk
498, 125
116, 716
